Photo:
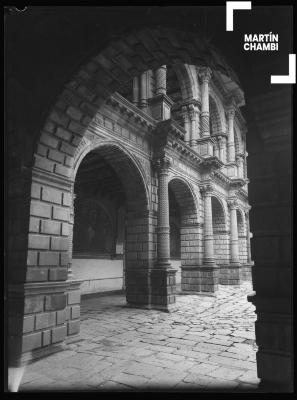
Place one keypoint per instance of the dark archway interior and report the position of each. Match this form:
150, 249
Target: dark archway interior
219, 232
175, 223
100, 197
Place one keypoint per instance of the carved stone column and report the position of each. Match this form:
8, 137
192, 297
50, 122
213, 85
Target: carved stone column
195, 126
239, 159
161, 80
248, 236
231, 144
205, 74
163, 229
160, 103
222, 148
246, 269
162, 277
187, 124
208, 228
234, 267
136, 91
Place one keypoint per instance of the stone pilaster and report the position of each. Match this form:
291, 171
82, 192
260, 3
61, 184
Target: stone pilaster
222, 148
240, 161
246, 269
163, 283
231, 143
205, 74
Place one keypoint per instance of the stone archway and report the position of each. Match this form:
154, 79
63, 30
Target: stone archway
190, 233
39, 254
220, 233
129, 192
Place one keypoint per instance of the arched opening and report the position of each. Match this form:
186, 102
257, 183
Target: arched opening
220, 234
110, 232
184, 231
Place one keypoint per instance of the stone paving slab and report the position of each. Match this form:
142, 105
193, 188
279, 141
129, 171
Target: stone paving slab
207, 344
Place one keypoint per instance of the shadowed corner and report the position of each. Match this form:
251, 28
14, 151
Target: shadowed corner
15, 376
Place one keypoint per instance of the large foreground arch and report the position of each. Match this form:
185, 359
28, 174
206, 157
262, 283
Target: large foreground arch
53, 158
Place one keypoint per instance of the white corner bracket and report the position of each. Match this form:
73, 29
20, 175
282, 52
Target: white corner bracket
289, 79
235, 5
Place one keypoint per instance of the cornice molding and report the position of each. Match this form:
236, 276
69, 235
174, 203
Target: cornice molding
129, 109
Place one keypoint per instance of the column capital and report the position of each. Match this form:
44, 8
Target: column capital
162, 164
247, 210
230, 112
232, 204
205, 74
206, 189
193, 111
239, 157
221, 141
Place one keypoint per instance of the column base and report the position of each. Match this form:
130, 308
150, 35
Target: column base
200, 279
163, 288
230, 274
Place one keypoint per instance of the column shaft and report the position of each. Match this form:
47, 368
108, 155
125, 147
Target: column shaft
231, 144
163, 231
187, 124
208, 231
161, 80
248, 239
195, 126
206, 73
234, 236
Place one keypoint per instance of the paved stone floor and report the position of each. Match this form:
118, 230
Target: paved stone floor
208, 344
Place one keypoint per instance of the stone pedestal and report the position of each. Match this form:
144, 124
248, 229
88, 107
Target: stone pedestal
202, 279
205, 146
246, 272
137, 287
163, 288
160, 106
46, 315
230, 274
